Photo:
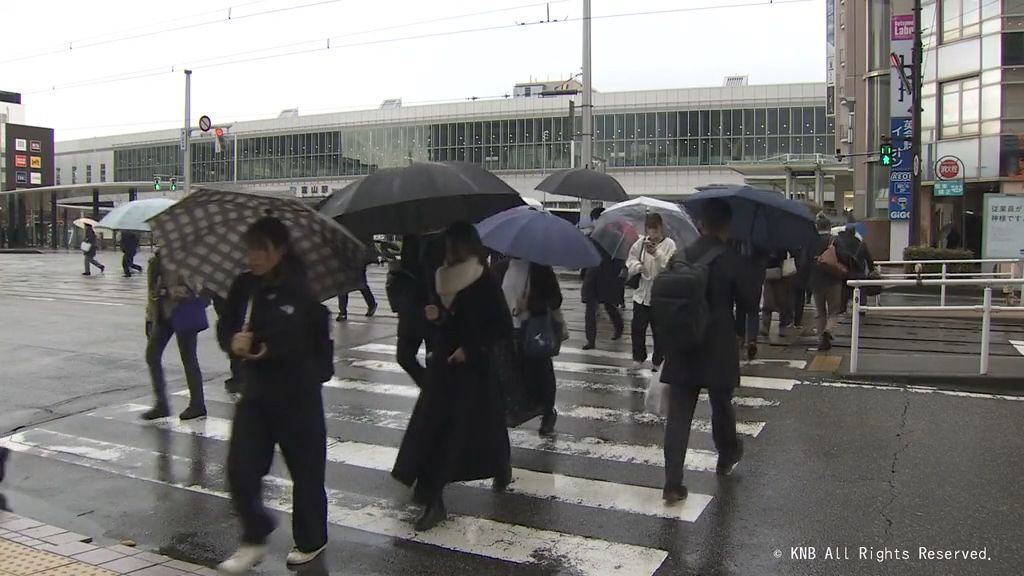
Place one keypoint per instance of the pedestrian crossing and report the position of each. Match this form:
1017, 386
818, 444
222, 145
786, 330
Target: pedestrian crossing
605, 462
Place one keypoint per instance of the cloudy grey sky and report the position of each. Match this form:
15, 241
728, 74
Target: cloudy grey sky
64, 55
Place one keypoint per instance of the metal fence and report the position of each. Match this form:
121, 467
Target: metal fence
1015, 272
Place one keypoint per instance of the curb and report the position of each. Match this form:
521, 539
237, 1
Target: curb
1002, 385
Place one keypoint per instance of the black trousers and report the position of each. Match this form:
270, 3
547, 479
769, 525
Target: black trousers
160, 334
295, 422
408, 344
642, 318
367, 296
591, 320
799, 297
538, 376
128, 264
682, 403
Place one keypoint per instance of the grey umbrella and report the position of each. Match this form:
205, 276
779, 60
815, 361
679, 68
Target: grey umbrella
201, 236
584, 183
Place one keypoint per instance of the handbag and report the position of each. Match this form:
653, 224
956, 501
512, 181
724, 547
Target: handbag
829, 261
561, 327
86, 247
189, 316
540, 340
656, 396
789, 267
773, 274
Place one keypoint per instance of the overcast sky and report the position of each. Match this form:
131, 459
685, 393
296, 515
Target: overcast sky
447, 59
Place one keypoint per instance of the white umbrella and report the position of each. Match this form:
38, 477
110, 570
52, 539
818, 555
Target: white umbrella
81, 222
650, 204
838, 229
133, 215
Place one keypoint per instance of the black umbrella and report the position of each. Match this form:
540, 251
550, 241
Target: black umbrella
766, 218
584, 183
420, 198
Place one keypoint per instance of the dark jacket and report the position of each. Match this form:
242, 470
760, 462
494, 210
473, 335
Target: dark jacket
854, 253
716, 363
820, 279
544, 293
603, 283
130, 243
457, 430
284, 315
90, 237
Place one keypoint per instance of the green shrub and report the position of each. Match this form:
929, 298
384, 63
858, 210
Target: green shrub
929, 253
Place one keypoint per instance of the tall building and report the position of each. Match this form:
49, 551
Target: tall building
11, 111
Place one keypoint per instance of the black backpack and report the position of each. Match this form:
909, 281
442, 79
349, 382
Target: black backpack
401, 287
323, 344
679, 301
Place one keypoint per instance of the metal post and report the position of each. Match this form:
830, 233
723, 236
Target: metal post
855, 337
986, 324
587, 134
187, 164
53, 221
942, 289
915, 143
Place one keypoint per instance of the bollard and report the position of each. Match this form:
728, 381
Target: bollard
855, 336
986, 324
942, 290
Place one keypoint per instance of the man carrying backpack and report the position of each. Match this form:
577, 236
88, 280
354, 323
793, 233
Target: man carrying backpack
693, 303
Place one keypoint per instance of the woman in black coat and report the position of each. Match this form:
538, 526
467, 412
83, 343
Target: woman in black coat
602, 285
90, 254
457, 430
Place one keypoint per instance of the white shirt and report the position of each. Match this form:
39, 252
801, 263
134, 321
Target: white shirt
648, 266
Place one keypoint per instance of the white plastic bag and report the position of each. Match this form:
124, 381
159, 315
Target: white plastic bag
86, 247
656, 395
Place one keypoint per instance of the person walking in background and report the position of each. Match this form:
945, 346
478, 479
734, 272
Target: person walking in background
855, 255
129, 247
364, 289
601, 288
648, 257
408, 289
89, 248
826, 284
710, 360
457, 431
776, 293
531, 290
800, 293
275, 319
167, 291
748, 320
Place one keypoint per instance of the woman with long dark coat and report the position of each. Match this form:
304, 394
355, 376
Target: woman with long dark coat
457, 429
602, 286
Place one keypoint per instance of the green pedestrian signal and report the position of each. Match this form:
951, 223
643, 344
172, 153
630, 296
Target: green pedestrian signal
885, 153
156, 183
174, 184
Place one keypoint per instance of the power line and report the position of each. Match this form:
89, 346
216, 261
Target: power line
228, 18
327, 43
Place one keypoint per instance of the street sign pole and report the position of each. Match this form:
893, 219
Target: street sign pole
187, 164
915, 114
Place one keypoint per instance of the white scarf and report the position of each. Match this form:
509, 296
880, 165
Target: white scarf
515, 286
450, 280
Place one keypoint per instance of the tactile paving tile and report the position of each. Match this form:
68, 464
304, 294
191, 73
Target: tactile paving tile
22, 560
825, 363
76, 570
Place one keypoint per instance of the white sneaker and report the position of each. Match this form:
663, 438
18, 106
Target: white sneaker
297, 557
247, 557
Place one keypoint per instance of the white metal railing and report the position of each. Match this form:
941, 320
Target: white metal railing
1016, 271
986, 309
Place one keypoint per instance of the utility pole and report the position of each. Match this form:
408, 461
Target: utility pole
917, 137
187, 164
588, 104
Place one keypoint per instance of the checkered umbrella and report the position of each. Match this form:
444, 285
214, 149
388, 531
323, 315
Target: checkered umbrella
201, 236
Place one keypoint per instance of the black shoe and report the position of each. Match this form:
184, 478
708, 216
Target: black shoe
502, 481
751, 351
547, 423
433, 515
419, 495
726, 467
4, 453
343, 316
371, 311
87, 274
824, 343
589, 346
193, 412
127, 275
617, 335
674, 494
156, 413
103, 269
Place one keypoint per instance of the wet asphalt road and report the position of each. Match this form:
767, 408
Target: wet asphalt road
833, 468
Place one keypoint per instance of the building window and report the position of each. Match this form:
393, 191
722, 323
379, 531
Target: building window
74, 174
88, 174
1013, 48
961, 107
960, 19
58, 176
103, 172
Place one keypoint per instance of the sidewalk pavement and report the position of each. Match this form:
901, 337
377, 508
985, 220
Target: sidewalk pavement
31, 548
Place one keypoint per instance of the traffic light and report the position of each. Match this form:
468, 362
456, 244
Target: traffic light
156, 182
886, 154
219, 144
174, 183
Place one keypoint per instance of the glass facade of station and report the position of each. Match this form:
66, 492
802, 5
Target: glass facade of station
624, 140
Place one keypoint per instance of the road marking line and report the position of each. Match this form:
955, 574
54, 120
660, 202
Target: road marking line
1019, 345
569, 489
916, 390
571, 411
480, 536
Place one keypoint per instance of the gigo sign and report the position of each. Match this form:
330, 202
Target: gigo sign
948, 168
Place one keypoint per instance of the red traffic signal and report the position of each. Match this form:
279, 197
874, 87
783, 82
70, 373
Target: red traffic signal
219, 132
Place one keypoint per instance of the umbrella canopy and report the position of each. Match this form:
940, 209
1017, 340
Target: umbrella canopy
584, 183
620, 226
766, 219
81, 222
133, 215
420, 198
538, 237
201, 236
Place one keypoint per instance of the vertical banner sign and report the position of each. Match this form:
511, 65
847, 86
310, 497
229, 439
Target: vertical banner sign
830, 57
1003, 226
900, 122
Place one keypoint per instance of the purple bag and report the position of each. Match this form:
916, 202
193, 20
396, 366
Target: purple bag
189, 316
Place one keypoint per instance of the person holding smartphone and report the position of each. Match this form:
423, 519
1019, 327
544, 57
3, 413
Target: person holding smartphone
648, 257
